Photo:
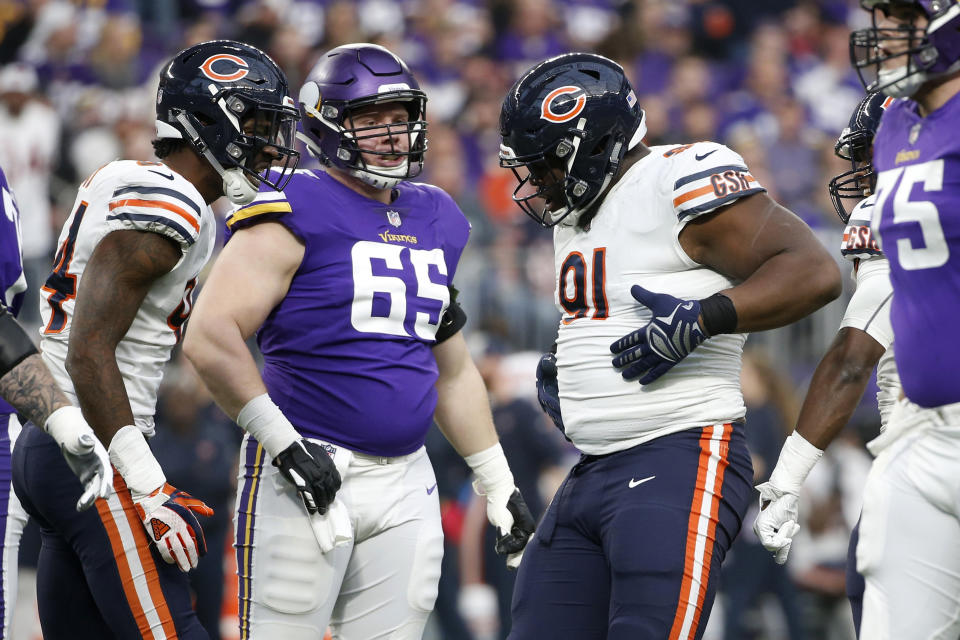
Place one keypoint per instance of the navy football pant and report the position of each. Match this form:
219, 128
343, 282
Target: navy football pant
98, 576
631, 546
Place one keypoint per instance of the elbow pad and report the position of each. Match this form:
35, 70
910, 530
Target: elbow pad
453, 318
15, 344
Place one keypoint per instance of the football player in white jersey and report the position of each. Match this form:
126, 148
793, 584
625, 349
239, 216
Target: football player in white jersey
28, 389
864, 341
665, 257
116, 302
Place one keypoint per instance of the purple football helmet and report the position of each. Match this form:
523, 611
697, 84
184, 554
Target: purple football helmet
929, 50
355, 76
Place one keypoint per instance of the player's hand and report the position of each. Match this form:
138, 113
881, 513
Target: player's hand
548, 390
90, 462
168, 515
311, 471
672, 333
514, 523
776, 524
85, 455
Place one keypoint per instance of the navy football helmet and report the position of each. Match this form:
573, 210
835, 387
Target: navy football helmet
856, 145
930, 50
351, 77
230, 100
568, 122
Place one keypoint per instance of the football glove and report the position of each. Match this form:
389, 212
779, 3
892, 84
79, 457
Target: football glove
85, 455
514, 527
168, 515
312, 472
548, 390
776, 524
672, 333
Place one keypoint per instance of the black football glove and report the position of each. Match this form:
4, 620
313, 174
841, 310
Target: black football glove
311, 471
512, 543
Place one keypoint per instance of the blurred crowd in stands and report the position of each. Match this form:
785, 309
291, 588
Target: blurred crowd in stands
771, 79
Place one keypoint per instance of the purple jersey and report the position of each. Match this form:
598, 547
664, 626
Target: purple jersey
918, 196
347, 353
12, 281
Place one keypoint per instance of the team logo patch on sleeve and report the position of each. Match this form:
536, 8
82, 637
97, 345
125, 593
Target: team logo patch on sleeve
563, 104
230, 67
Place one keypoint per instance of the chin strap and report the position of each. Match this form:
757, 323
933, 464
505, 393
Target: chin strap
396, 176
236, 185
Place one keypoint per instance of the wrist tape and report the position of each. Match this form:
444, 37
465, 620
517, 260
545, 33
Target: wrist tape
796, 460
264, 421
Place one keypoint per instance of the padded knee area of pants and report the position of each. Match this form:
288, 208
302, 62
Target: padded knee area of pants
292, 576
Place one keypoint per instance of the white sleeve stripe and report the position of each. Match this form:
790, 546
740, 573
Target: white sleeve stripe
713, 203
155, 208
154, 221
173, 193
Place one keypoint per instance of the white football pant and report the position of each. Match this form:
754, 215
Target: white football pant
909, 549
380, 585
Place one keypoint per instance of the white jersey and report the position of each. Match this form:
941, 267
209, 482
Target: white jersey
140, 196
634, 240
869, 308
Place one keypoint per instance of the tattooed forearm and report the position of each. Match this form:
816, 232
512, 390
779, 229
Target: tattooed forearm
31, 389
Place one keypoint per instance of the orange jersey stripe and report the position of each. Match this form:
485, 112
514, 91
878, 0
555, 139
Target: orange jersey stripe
146, 558
690, 195
157, 204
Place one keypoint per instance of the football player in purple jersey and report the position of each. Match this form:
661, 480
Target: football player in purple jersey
347, 278
909, 548
864, 341
29, 388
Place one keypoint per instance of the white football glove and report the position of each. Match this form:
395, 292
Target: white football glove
170, 518
779, 517
168, 514
776, 524
84, 453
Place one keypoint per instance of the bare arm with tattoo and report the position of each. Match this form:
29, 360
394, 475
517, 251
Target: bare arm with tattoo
32, 391
27, 384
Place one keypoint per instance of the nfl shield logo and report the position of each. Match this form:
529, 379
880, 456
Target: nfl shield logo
914, 133
393, 217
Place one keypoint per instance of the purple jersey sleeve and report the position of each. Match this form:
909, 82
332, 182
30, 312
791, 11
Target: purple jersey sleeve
12, 282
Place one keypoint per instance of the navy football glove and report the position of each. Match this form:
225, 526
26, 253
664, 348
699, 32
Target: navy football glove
672, 333
311, 471
548, 391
